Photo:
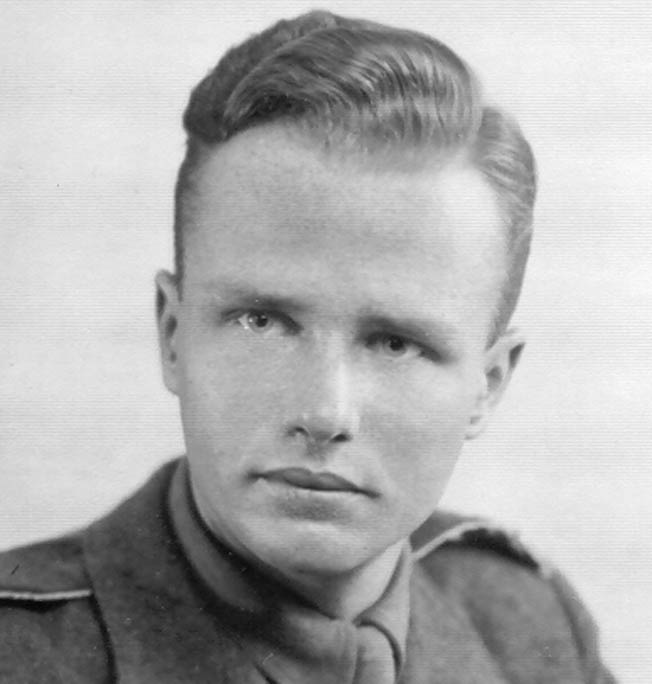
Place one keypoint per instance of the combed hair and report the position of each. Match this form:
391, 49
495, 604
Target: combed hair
369, 89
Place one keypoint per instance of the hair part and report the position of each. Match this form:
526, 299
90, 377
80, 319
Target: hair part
365, 89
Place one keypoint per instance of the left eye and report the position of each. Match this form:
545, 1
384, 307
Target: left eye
396, 346
259, 322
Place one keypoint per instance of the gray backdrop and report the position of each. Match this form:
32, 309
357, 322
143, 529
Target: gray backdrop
90, 138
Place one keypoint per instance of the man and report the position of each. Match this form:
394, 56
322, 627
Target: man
352, 226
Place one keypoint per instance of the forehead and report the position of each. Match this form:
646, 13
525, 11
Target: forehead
270, 201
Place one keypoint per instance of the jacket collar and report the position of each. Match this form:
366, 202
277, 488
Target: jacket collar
285, 618
147, 599
151, 603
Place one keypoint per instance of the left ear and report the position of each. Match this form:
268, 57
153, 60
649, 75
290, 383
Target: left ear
500, 360
167, 319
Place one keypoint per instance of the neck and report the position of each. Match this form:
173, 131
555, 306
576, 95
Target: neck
349, 594
342, 595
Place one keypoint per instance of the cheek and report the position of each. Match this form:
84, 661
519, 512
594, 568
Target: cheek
424, 406
227, 394
420, 457
419, 427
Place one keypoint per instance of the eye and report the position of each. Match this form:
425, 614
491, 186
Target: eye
259, 322
397, 347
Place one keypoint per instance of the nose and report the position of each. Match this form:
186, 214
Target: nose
326, 411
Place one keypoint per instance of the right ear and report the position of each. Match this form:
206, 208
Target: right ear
167, 319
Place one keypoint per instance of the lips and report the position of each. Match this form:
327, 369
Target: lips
308, 479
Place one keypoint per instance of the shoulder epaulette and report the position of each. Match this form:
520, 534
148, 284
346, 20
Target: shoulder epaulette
444, 530
49, 571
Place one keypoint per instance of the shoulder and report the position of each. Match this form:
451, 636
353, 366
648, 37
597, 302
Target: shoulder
514, 599
485, 567
454, 549
48, 571
52, 622
47, 622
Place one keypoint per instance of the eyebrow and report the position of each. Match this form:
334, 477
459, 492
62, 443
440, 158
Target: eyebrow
247, 294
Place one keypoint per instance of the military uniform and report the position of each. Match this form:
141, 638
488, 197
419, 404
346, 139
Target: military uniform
123, 601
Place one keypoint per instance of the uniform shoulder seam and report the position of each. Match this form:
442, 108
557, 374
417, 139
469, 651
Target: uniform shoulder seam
452, 534
481, 533
45, 596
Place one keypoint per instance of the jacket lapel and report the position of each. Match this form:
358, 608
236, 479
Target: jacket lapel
160, 624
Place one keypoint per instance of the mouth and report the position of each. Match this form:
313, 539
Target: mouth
308, 479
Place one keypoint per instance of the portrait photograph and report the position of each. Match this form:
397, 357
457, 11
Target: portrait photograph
326, 342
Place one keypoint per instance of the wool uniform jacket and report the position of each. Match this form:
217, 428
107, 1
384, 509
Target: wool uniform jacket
118, 602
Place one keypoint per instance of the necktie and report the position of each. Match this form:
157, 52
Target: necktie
375, 663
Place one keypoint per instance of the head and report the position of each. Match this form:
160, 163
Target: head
352, 226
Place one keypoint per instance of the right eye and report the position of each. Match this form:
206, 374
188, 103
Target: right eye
259, 322
263, 323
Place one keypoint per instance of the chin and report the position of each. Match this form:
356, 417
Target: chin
314, 565
316, 553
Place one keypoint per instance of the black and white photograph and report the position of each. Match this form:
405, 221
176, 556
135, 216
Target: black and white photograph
325, 342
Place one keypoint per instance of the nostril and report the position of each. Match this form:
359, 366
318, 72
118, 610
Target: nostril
317, 435
297, 431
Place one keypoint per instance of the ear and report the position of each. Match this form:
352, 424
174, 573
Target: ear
499, 363
167, 317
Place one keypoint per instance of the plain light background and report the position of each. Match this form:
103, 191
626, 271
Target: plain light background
91, 95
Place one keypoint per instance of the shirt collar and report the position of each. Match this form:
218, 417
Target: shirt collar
237, 584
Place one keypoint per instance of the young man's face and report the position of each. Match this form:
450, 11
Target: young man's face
329, 348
